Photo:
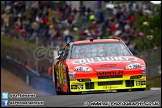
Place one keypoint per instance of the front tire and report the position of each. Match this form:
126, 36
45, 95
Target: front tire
55, 81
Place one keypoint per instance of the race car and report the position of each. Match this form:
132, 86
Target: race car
98, 65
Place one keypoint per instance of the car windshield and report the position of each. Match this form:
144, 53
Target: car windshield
99, 50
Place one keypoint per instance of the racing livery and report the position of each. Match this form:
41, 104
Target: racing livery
98, 65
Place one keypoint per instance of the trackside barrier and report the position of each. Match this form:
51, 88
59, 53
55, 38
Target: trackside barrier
37, 82
27, 67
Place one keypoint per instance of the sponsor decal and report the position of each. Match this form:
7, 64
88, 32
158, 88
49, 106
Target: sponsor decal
80, 86
103, 59
108, 65
108, 87
110, 73
143, 82
138, 83
73, 86
72, 75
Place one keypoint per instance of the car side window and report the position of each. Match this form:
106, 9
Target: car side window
61, 55
66, 52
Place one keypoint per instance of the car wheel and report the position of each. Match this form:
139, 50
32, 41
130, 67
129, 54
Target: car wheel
59, 92
55, 83
68, 82
138, 89
122, 90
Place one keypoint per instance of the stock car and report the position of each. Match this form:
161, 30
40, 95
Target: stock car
98, 65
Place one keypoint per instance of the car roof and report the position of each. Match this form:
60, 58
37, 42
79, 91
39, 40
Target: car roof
96, 41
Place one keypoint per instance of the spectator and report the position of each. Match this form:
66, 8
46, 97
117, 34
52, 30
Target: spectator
25, 63
132, 18
50, 29
99, 4
74, 11
83, 10
31, 66
89, 10
41, 70
49, 71
69, 38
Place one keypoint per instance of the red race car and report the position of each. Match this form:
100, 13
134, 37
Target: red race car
98, 65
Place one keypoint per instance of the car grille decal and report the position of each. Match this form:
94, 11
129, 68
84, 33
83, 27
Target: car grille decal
110, 74
110, 83
100, 69
113, 76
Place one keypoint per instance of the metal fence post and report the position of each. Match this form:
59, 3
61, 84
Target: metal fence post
37, 39
51, 44
27, 79
37, 68
148, 62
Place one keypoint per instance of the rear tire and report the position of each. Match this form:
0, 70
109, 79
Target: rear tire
123, 90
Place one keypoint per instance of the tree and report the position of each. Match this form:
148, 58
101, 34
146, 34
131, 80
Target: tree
152, 31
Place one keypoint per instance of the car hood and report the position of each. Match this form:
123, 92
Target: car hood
110, 63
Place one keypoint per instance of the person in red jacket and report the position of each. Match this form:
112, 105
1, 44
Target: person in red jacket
132, 18
49, 70
41, 70
45, 20
112, 27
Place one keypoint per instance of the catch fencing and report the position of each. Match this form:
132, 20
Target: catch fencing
152, 58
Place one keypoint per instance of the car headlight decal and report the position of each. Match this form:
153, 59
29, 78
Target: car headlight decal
83, 68
143, 67
133, 66
72, 75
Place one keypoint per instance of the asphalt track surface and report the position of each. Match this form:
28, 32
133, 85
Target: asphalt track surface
84, 100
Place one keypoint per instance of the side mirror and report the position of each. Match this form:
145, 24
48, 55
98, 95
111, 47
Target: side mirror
55, 61
59, 52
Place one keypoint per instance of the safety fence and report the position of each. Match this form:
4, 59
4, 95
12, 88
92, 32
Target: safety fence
36, 38
29, 59
152, 58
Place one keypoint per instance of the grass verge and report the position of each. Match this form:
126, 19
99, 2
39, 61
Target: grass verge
154, 82
6, 40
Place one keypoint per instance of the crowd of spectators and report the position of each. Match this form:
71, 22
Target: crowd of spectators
32, 21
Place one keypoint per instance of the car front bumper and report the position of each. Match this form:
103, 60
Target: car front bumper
107, 84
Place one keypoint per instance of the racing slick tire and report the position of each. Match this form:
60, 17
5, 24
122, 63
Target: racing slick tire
55, 81
56, 89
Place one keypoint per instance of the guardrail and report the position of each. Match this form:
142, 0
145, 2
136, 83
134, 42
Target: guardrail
27, 67
27, 58
38, 82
